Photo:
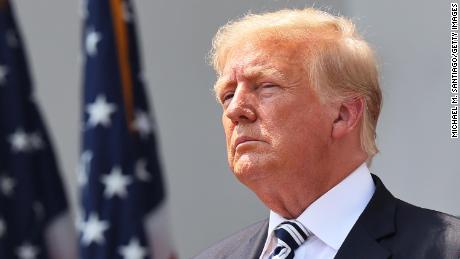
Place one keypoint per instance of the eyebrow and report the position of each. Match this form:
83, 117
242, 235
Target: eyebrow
251, 73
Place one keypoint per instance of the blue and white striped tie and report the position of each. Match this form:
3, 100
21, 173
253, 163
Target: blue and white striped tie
290, 235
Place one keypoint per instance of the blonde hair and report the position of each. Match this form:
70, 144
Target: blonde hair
339, 64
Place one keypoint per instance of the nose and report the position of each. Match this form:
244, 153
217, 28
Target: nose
241, 107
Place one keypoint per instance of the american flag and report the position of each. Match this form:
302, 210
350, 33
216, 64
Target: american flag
120, 179
32, 198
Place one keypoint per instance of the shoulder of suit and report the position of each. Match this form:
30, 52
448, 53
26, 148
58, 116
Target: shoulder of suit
229, 244
427, 224
416, 223
427, 216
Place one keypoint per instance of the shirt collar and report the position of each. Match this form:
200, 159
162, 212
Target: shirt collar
331, 216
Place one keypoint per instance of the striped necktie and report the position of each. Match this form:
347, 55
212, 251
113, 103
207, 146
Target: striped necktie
290, 235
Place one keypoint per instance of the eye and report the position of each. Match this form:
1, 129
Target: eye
227, 96
267, 89
265, 86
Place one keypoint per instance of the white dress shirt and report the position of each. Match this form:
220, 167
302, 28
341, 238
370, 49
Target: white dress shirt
330, 218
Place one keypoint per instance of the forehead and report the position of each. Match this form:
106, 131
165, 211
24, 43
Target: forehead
252, 61
261, 51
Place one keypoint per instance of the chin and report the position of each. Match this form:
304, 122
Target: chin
248, 168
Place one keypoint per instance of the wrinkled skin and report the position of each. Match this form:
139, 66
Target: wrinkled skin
279, 135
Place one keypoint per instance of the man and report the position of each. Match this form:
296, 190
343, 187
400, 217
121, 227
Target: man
301, 99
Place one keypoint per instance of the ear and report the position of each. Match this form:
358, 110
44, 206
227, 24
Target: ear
349, 116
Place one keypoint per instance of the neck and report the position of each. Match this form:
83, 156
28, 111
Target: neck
291, 198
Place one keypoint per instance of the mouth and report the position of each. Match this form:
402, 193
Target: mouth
243, 139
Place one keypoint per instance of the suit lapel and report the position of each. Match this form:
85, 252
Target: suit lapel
361, 245
251, 248
256, 243
375, 223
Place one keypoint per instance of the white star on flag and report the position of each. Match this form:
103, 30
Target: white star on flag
142, 123
3, 73
6, 185
19, 141
141, 170
100, 111
133, 250
93, 230
83, 168
27, 251
92, 39
11, 39
116, 183
2, 228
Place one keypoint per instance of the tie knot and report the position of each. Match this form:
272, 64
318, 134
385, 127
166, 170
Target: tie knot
291, 234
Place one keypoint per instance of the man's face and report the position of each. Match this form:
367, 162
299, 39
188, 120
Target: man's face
276, 128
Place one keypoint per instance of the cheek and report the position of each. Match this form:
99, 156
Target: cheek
228, 129
313, 134
297, 130
284, 120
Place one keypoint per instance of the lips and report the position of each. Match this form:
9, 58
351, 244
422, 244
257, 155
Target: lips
243, 139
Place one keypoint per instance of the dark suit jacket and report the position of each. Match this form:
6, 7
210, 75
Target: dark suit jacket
387, 228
